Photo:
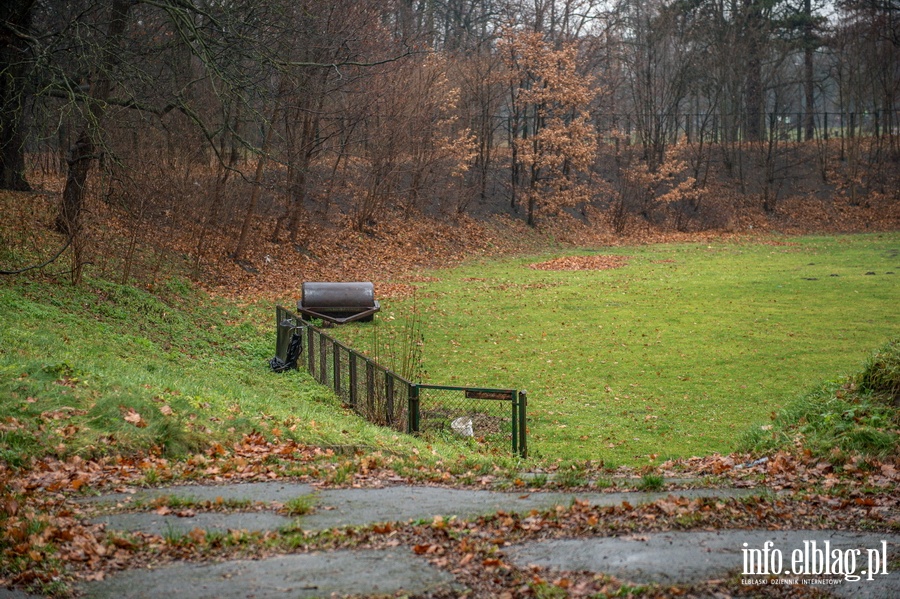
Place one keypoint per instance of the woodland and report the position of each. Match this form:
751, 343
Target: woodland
245, 136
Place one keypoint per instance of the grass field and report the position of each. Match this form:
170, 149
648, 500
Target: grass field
679, 352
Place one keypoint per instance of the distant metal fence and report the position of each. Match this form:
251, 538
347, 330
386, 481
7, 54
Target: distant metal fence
491, 418
714, 127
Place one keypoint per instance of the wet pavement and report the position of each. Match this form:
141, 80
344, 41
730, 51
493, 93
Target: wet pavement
334, 508
687, 557
363, 571
652, 558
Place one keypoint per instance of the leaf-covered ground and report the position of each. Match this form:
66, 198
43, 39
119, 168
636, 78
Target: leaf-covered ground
47, 543
581, 263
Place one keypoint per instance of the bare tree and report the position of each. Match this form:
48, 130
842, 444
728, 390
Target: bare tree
98, 86
659, 66
15, 62
94, 59
480, 75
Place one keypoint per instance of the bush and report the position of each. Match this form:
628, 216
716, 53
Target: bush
830, 422
841, 417
881, 374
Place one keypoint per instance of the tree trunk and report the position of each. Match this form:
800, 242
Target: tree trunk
254, 195
298, 198
14, 53
79, 165
12, 152
753, 98
808, 80
82, 154
809, 89
754, 102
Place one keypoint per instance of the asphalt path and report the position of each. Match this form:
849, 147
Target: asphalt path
859, 563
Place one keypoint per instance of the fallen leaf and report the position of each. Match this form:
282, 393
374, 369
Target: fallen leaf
197, 535
133, 417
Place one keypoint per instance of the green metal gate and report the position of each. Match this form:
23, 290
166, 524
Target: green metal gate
489, 416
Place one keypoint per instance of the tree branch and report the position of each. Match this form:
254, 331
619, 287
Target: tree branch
349, 63
42, 265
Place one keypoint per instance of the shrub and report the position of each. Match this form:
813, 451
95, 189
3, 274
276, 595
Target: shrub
881, 374
831, 422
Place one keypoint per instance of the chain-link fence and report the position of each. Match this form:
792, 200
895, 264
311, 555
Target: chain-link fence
490, 418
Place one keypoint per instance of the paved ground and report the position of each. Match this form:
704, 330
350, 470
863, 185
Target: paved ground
685, 557
352, 507
305, 575
673, 557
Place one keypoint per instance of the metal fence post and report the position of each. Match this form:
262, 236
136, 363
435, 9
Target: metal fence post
279, 332
389, 399
323, 361
310, 350
515, 423
336, 368
522, 419
412, 410
279, 311
353, 379
370, 388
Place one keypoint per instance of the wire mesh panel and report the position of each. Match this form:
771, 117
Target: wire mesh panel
342, 385
383, 397
488, 417
326, 360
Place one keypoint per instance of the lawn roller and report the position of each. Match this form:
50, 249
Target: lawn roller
338, 303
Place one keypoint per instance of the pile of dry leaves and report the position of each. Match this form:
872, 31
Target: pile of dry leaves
581, 263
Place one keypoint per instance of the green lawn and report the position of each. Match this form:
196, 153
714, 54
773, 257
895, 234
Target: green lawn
109, 369
677, 353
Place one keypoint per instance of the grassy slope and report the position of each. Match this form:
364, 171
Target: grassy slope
680, 352
676, 354
74, 362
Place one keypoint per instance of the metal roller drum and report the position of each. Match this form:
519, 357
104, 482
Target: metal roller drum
338, 303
